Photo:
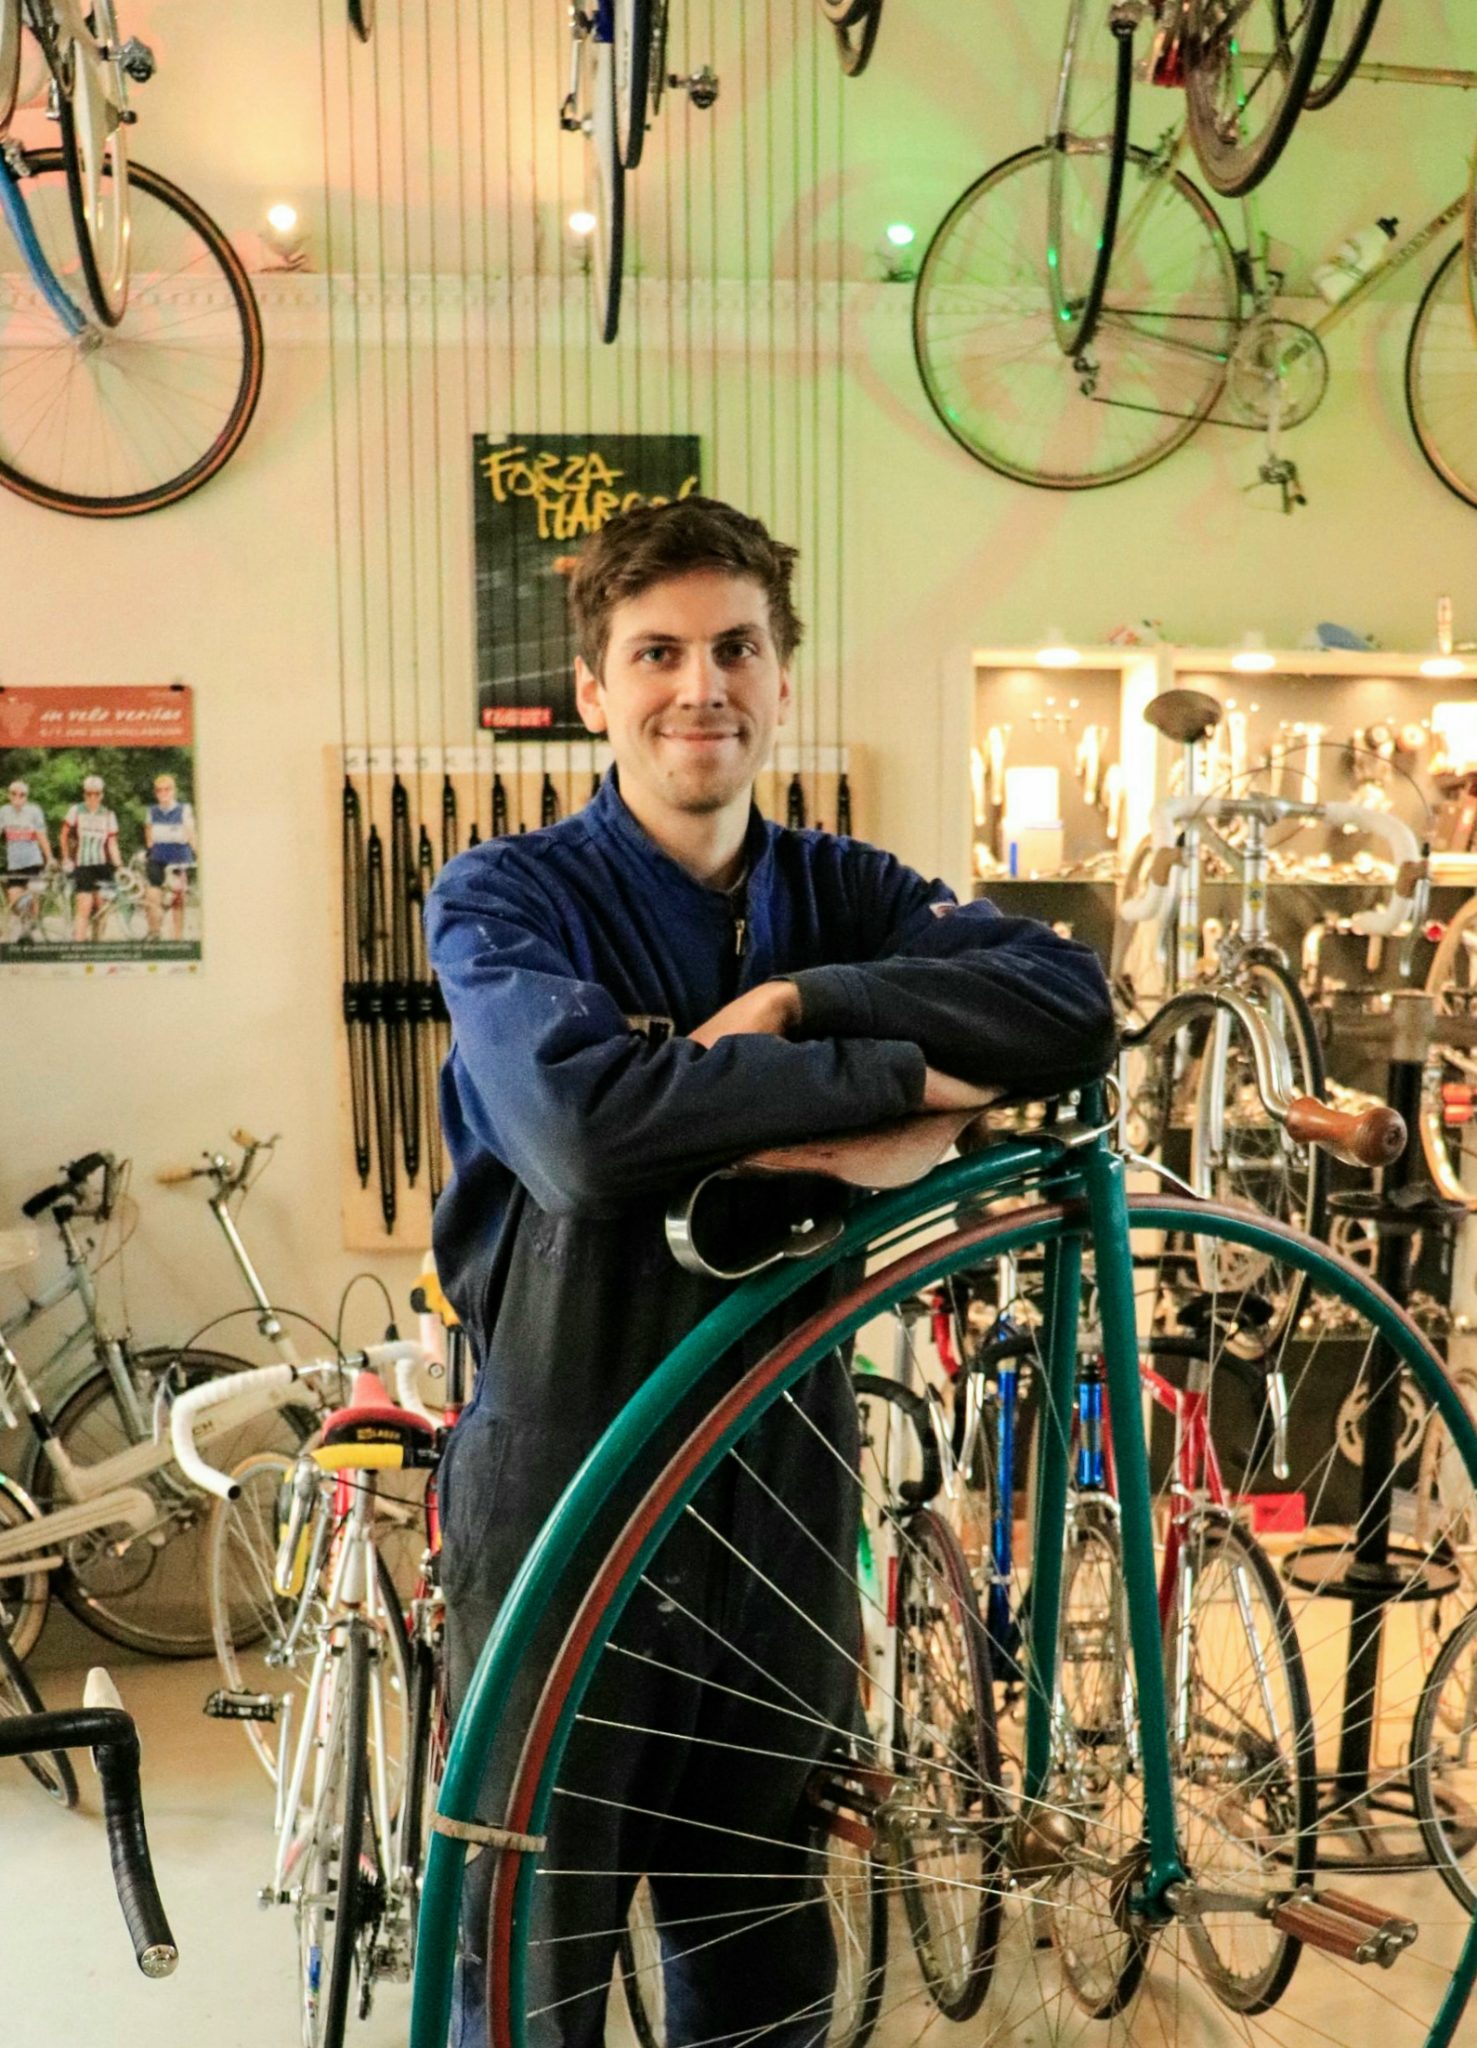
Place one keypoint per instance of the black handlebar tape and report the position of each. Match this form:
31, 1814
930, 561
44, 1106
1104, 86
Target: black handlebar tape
877, 1387
111, 1736
89, 1163
38, 1204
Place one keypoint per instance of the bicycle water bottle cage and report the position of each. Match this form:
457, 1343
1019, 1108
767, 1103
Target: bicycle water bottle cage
1184, 716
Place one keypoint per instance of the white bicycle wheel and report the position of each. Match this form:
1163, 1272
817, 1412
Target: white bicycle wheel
1441, 378
632, 46
984, 323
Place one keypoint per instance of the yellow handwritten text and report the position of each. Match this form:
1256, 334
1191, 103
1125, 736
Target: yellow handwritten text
571, 494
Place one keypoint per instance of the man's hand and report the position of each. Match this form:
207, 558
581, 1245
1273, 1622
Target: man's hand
772, 1010
945, 1091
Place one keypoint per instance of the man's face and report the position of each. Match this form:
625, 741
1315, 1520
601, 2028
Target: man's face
164, 792
18, 793
92, 798
692, 692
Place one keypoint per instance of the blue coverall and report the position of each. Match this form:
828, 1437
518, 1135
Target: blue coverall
570, 1120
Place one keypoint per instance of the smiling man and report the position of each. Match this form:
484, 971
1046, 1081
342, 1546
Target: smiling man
658, 984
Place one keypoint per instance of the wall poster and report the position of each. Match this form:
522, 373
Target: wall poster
99, 831
536, 498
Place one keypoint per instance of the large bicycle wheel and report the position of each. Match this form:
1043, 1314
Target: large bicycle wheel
1238, 1153
1449, 1106
984, 322
855, 23
1242, 1751
1096, 1777
1094, 92
24, 1596
95, 155
632, 48
51, 1768
132, 418
1350, 26
564, 1761
1443, 1762
1248, 65
265, 1640
149, 1591
1441, 378
338, 1868
946, 1820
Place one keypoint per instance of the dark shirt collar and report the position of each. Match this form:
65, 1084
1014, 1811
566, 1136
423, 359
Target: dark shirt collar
608, 813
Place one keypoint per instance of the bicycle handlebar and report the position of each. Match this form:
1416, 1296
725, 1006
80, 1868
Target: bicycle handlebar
1368, 1137
1170, 817
75, 1174
172, 1176
246, 1394
103, 1726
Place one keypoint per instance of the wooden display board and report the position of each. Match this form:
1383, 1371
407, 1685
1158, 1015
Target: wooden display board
524, 770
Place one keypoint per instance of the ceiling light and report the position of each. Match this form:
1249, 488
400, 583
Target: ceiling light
1252, 657
582, 223
1056, 651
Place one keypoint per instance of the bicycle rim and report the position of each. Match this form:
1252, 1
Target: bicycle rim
1248, 66
1444, 1762
1353, 1324
1241, 1723
856, 41
1237, 1151
1441, 378
51, 1768
95, 154
609, 239
328, 1875
251, 1620
984, 329
1447, 1128
132, 418
1350, 26
632, 52
149, 1591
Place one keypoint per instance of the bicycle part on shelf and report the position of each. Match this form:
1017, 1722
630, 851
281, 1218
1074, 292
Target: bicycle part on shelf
984, 328
51, 1768
1350, 27
632, 41
129, 419
1248, 65
1441, 377
1277, 375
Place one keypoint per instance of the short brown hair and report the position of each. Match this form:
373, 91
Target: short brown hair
651, 543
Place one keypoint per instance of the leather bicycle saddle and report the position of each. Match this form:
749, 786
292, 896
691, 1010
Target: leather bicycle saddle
1183, 715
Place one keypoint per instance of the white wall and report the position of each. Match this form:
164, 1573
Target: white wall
234, 592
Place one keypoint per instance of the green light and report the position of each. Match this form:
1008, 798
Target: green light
901, 235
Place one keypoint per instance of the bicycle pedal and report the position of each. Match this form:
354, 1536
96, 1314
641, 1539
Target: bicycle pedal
241, 1706
1345, 1926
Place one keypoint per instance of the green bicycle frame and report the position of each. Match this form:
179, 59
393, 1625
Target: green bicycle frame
1089, 1175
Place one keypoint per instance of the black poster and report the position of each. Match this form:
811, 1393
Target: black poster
537, 499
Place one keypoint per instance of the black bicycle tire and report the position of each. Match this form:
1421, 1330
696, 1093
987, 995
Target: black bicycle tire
361, 18
426, 1703
354, 1674
1422, 1749
924, 1527
52, 1768
636, 97
1231, 176
1432, 456
611, 183
1091, 1523
1320, 95
1231, 1535
86, 255
98, 1386
854, 45
1081, 334
248, 392
847, 13
672, 1479
1140, 466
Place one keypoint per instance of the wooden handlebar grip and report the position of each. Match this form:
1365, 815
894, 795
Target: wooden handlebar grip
1370, 1137
171, 1176
245, 1140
